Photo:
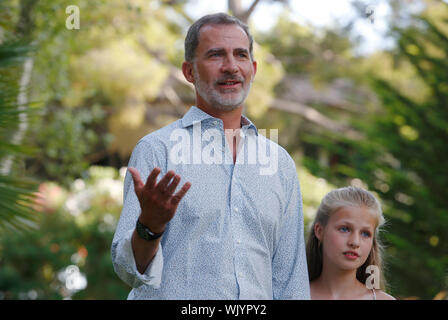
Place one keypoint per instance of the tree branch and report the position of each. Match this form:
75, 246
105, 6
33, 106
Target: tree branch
315, 116
248, 12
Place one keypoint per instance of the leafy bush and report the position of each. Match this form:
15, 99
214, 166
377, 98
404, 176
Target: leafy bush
69, 255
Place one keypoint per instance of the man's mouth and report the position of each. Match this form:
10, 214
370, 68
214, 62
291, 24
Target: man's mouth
228, 84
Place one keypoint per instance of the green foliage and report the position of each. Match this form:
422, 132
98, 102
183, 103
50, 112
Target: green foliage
112, 67
68, 139
269, 73
324, 54
76, 230
313, 190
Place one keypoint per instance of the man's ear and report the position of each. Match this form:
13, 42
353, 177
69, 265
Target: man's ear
187, 70
254, 65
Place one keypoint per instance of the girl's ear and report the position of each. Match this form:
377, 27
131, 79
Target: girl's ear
318, 231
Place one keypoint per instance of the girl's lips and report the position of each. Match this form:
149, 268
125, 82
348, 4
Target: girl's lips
351, 255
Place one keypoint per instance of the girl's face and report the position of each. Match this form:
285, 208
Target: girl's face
347, 238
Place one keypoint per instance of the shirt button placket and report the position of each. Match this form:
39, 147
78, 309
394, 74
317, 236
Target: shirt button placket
237, 229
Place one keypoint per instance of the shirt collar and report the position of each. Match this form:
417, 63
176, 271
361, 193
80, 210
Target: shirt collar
197, 115
194, 115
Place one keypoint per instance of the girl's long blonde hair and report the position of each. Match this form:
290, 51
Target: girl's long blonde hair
333, 201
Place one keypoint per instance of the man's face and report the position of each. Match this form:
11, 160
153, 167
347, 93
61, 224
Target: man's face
222, 71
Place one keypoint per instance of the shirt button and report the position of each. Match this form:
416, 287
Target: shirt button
236, 209
238, 241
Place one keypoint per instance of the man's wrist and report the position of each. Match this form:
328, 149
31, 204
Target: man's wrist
146, 233
149, 223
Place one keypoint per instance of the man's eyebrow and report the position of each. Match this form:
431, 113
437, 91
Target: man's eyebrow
241, 50
215, 50
222, 50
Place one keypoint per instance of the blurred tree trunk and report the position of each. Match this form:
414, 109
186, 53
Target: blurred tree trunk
237, 10
22, 102
23, 30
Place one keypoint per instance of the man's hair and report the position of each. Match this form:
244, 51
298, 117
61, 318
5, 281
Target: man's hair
192, 38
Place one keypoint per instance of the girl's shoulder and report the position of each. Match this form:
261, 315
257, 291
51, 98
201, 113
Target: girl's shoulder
381, 295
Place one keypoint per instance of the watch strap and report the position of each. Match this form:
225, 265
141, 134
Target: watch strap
144, 232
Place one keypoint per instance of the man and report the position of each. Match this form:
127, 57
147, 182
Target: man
231, 231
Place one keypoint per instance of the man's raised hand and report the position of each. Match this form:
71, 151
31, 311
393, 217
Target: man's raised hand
157, 201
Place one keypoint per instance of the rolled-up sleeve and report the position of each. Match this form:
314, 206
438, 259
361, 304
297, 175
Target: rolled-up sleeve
123, 260
290, 272
126, 269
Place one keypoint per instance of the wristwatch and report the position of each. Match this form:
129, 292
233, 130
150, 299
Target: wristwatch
144, 232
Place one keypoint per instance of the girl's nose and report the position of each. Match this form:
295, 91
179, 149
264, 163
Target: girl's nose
353, 241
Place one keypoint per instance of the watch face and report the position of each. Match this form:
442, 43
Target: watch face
145, 233
149, 232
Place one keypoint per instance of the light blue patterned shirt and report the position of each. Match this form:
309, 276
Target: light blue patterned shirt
237, 234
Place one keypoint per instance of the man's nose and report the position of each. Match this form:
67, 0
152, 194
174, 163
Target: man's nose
229, 65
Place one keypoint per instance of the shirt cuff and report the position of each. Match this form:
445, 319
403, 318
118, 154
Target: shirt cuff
126, 267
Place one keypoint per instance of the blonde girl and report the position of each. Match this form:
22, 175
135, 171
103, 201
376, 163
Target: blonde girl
342, 244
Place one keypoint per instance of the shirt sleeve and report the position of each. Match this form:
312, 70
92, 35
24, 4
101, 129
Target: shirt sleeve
289, 267
144, 160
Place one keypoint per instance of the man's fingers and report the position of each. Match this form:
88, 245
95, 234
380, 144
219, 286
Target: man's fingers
152, 178
138, 183
180, 194
173, 185
161, 186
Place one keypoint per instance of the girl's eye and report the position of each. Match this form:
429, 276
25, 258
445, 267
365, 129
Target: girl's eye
343, 229
366, 234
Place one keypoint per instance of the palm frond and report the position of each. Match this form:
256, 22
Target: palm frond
17, 194
13, 54
16, 203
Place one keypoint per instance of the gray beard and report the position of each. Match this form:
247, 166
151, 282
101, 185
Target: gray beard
214, 97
